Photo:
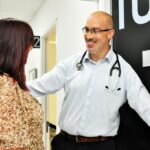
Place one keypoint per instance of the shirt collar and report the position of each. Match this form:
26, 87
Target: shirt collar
108, 56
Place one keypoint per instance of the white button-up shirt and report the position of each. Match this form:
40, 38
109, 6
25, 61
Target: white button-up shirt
89, 108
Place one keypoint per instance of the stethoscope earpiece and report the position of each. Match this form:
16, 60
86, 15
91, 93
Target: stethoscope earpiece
106, 87
111, 90
118, 89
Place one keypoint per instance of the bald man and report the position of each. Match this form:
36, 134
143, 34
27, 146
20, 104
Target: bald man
96, 84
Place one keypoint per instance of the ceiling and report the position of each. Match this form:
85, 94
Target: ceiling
19, 9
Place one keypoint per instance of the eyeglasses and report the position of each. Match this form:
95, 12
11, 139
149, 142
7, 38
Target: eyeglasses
94, 30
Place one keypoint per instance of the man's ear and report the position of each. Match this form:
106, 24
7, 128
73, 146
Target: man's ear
111, 34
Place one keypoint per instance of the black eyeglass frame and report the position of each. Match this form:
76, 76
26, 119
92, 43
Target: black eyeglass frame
94, 30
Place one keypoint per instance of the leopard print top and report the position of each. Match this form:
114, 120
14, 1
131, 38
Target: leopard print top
21, 117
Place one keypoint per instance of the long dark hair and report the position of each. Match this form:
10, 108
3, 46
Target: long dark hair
16, 38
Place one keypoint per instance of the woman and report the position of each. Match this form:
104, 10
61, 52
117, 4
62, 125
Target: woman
21, 115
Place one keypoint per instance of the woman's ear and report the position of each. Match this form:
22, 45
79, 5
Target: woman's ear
29, 48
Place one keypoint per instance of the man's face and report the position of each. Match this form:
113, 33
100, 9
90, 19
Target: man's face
96, 40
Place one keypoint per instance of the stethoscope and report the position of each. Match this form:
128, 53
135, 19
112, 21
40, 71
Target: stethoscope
115, 66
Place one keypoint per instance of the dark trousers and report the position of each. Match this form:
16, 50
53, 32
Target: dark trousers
61, 143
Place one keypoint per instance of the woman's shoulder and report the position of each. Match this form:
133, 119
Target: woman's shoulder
7, 83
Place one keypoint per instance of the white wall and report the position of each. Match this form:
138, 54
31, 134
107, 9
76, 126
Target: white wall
71, 19
105, 5
69, 16
41, 23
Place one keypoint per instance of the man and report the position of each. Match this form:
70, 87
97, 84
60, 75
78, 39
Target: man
96, 84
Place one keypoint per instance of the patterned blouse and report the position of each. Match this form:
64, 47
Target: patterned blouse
21, 117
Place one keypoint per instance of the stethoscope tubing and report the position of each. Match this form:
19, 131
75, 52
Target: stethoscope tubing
80, 67
117, 68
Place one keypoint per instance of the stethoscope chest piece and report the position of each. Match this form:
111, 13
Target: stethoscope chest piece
79, 66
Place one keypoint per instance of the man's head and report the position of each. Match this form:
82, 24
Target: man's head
99, 30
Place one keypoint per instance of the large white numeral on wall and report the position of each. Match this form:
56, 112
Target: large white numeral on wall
135, 13
137, 18
146, 58
121, 14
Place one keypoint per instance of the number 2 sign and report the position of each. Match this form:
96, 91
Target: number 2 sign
36, 42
